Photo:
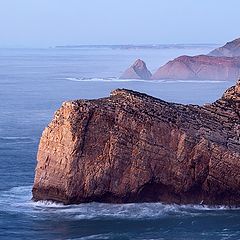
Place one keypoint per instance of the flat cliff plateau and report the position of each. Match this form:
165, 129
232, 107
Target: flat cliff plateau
131, 147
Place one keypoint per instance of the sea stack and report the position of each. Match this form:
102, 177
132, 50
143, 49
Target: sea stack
131, 147
230, 49
200, 67
138, 70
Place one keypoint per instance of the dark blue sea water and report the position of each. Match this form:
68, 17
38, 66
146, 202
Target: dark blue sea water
33, 84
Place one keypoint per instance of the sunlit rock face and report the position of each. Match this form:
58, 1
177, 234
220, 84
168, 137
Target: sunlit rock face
137, 71
230, 49
200, 67
131, 147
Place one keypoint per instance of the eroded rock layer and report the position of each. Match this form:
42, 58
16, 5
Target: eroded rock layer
131, 147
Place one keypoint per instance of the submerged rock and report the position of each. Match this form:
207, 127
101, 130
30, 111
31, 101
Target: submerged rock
137, 71
230, 49
131, 147
200, 67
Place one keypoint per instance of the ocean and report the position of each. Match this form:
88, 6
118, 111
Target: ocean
33, 85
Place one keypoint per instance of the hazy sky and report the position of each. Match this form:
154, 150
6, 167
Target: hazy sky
63, 22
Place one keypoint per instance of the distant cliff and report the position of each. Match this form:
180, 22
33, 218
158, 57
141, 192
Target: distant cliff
200, 67
131, 147
137, 71
230, 49
221, 64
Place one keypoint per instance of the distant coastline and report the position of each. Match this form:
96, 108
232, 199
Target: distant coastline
144, 46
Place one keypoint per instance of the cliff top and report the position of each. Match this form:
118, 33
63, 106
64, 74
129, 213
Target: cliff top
230, 49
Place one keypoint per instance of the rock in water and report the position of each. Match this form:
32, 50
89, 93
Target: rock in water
200, 67
230, 49
131, 147
137, 71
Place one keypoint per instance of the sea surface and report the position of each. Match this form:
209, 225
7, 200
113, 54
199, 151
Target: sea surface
33, 85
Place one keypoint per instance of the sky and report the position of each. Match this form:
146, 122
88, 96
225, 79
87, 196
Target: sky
46, 23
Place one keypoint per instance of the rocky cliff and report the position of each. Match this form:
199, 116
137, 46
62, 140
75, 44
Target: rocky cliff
137, 71
200, 67
131, 147
230, 49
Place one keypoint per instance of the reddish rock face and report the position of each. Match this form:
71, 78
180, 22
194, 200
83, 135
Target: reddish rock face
131, 147
200, 67
137, 71
230, 49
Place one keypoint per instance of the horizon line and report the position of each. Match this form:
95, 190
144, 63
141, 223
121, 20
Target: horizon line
148, 45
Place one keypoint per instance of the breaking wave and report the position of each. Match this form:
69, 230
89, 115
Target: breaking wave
18, 200
110, 80
114, 79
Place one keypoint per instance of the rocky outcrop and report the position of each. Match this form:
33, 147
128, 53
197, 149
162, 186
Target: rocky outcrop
230, 49
200, 67
131, 147
137, 71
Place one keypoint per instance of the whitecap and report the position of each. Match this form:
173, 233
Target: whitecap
18, 199
114, 79
111, 79
95, 236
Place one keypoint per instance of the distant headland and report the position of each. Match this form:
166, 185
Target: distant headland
131, 147
222, 64
143, 46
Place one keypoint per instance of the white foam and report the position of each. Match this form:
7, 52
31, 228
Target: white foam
95, 236
112, 79
18, 199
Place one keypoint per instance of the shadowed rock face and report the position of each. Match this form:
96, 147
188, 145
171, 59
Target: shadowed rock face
137, 71
200, 67
131, 147
230, 49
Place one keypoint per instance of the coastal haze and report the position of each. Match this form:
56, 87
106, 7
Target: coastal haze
52, 52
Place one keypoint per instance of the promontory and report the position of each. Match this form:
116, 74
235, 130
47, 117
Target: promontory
131, 147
